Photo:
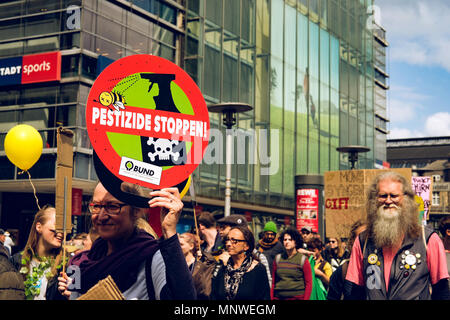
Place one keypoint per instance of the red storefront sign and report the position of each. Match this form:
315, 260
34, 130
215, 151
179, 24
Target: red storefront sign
308, 209
41, 67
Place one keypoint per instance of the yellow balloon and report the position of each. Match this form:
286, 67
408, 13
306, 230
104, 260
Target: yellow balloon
23, 146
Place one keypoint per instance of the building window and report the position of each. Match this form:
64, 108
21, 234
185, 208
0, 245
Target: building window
435, 201
436, 178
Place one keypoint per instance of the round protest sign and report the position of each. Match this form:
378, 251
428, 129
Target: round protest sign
147, 121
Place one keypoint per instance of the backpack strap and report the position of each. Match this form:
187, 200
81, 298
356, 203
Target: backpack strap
277, 258
302, 261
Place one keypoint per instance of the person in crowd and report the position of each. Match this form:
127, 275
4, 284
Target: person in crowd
11, 282
322, 268
336, 286
292, 277
200, 264
41, 259
142, 267
335, 252
396, 258
225, 225
189, 246
242, 277
269, 244
212, 242
79, 241
2, 242
307, 235
8, 243
444, 229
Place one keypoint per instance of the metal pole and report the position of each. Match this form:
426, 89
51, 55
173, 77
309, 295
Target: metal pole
228, 174
64, 225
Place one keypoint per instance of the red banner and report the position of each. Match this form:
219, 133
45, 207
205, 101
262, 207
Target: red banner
77, 200
308, 209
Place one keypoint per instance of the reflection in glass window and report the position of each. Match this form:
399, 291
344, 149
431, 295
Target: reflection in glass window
8, 119
69, 65
66, 116
230, 79
70, 40
81, 166
88, 67
42, 95
8, 97
42, 24
214, 11
168, 13
68, 93
212, 73
11, 29
167, 53
137, 42
42, 45
277, 28
38, 118
246, 90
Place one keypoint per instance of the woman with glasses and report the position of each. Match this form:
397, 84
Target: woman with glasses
242, 277
335, 253
142, 267
41, 258
292, 275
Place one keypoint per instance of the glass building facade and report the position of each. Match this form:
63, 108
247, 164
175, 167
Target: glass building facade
306, 67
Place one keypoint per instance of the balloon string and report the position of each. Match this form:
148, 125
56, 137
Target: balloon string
34, 189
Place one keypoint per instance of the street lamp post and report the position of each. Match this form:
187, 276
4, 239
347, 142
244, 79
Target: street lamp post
229, 111
353, 153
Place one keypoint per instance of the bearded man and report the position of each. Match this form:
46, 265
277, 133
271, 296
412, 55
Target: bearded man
396, 258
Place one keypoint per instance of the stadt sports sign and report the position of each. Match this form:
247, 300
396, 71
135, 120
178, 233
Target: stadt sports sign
31, 68
147, 121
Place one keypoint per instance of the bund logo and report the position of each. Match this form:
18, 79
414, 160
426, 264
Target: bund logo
129, 165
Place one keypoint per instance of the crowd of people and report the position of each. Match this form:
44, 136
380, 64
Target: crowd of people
388, 255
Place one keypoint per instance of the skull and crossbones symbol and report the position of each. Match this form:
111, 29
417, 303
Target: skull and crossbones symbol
163, 149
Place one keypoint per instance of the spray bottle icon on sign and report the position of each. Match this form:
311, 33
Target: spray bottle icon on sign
162, 152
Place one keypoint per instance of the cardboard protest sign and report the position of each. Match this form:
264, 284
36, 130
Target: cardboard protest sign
148, 123
422, 187
63, 192
345, 197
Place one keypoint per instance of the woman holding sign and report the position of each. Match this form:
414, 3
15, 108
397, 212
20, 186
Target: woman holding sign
142, 268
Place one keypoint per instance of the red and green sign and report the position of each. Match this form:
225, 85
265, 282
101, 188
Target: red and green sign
147, 121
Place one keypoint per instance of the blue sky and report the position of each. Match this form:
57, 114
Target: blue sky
418, 33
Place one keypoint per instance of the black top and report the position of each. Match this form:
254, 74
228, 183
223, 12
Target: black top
254, 285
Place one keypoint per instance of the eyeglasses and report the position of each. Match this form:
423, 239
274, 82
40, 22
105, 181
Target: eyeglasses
305, 232
234, 241
111, 208
393, 197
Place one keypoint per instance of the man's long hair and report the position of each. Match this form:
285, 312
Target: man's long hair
409, 215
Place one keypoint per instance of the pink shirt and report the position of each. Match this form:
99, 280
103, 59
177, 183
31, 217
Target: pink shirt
436, 262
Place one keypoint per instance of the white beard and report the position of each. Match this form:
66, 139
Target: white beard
389, 226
